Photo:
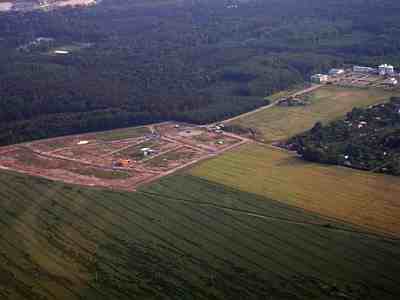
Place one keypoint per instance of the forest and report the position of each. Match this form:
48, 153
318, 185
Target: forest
366, 139
134, 62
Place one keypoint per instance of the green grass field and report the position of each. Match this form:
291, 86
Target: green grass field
327, 104
367, 199
180, 238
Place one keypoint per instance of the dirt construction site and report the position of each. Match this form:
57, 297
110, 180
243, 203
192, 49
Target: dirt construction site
119, 159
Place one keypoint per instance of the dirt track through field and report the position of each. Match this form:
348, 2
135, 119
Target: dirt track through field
296, 94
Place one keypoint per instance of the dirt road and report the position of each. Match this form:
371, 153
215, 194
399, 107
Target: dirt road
296, 94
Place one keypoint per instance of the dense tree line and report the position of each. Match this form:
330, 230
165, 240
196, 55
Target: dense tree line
367, 139
135, 62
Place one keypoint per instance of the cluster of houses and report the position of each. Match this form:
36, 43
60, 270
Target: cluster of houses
388, 71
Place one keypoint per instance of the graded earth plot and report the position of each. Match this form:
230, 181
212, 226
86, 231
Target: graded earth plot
208, 138
69, 170
155, 146
362, 198
120, 159
180, 238
324, 104
173, 158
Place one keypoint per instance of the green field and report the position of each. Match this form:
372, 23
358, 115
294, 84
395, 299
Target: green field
180, 238
326, 104
367, 199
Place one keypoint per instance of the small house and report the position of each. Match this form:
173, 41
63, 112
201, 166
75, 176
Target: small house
386, 69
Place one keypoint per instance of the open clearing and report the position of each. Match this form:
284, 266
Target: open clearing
366, 199
180, 238
326, 104
120, 159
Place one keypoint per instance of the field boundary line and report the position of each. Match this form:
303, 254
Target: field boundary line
280, 219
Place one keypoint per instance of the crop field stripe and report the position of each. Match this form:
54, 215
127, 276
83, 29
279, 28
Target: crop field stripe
88, 251
347, 258
352, 253
19, 286
214, 255
104, 260
258, 208
147, 231
127, 208
98, 202
107, 234
271, 203
199, 245
66, 287
282, 219
276, 274
90, 211
210, 194
204, 213
272, 217
285, 266
17, 267
292, 245
28, 238
277, 205
212, 204
161, 195
238, 229
230, 162
309, 240
204, 249
75, 277
362, 263
200, 232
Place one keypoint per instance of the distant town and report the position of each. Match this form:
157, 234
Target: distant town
360, 76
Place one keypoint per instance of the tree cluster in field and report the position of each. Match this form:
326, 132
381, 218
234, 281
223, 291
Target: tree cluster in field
367, 139
136, 62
